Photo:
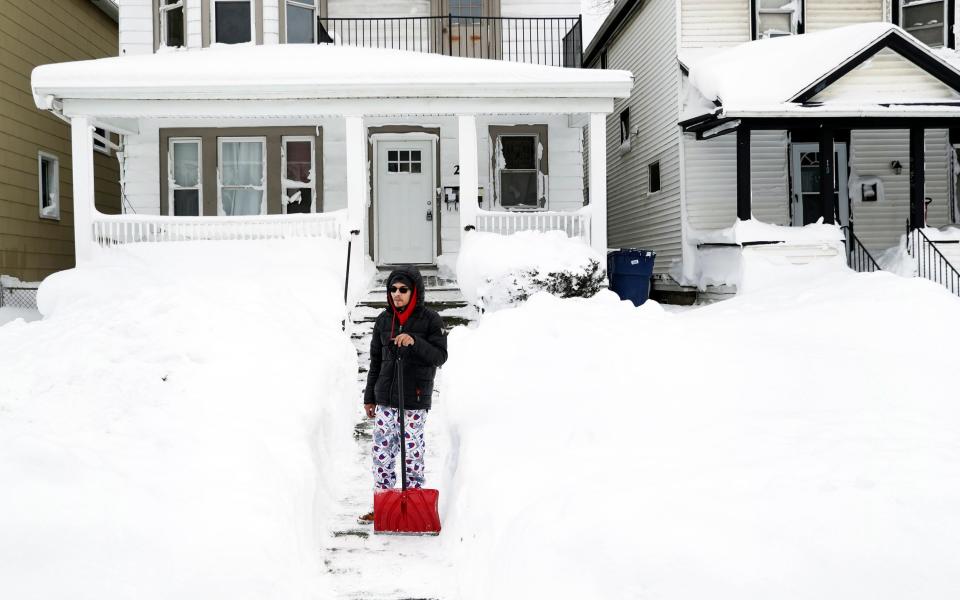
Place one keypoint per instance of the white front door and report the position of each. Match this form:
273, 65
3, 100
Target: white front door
405, 207
805, 195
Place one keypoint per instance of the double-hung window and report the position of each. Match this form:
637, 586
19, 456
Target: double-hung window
778, 17
49, 182
301, 21
299, 181
242, 176
233, 21
926, 20
185, 177
518, 172
172, 23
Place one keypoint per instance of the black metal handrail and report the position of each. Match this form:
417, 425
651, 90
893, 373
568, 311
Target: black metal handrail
553, 41
858, 257
931, 263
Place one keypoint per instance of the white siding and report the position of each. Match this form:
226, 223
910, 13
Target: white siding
711, 179
827, 14
879, 225
271, 21
141, 170
136, 27
194, 24
708, 23
636, 217
887, 76
381, 8
539, 8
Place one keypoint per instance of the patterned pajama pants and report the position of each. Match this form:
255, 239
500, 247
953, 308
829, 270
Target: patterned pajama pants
386, 437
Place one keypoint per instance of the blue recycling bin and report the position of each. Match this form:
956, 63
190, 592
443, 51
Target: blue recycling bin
629, 271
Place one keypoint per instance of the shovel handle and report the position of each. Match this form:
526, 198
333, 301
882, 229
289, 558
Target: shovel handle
401, 419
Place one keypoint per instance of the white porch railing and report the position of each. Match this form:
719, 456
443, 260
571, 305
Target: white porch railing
109, 230
574, 224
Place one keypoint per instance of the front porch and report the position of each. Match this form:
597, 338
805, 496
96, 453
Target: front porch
862, 138
428, 148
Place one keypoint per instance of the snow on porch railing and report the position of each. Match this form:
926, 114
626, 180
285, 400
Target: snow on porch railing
574, 224
110, 230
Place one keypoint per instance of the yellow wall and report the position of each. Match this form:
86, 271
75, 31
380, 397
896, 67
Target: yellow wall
32, 34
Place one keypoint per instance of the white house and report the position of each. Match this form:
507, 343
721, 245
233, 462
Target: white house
735, 103
398, 121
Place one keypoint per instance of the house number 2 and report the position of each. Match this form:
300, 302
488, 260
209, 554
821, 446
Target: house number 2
456, 169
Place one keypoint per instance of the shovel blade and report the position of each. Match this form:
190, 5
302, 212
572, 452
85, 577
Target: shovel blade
411, 512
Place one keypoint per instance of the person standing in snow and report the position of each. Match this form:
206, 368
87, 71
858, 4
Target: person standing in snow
406, 326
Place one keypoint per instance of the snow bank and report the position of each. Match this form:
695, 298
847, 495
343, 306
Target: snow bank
743, 232
786, 444
495, 270
169, 430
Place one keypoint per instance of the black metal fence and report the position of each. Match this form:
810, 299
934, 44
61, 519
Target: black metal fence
931, 263
553, 41
18, 296
858, 257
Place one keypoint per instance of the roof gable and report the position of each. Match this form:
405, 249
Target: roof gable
887, 77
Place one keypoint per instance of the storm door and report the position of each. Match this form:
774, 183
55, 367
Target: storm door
405, 207
805, 184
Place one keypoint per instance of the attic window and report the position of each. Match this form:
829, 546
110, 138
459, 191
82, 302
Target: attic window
926, 20
172, 23
776, 18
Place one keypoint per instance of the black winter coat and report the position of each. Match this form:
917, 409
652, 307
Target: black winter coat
420, 361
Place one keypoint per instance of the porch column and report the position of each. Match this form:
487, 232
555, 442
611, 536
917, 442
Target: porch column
356, 194
469, 171
917, 178
827, 169
744, 193
81, 133
598, 182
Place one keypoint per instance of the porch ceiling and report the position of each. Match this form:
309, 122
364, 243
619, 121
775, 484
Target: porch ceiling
322, 72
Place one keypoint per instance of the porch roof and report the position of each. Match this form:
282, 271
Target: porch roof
791, 76
322, 71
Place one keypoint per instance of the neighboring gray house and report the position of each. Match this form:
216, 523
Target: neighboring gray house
721, 128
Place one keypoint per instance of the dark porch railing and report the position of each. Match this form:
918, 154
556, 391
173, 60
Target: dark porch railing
858, 257
931, 263
553, 41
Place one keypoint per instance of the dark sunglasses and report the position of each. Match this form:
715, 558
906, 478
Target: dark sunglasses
402, 289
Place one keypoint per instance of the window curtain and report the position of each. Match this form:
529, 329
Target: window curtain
241, 176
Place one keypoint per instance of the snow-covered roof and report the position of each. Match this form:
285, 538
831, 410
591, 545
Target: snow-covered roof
316, 71
767, 76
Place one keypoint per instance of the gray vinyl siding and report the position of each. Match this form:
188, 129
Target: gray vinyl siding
828, 14
879, 225
714, 23
711, 179
636, 218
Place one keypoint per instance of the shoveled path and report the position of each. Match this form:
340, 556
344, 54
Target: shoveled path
381, 567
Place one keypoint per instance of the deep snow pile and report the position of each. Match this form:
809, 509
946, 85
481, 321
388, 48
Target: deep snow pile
800, 441
496, 270
169, 429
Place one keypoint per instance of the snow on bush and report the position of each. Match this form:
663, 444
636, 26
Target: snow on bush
495, 271
798, 442
170, 428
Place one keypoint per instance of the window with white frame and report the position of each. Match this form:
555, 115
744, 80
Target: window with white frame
185, 177
301, 21
48, 167
172, 24
241, 176
926, 20
299, 182
518, 171
778, 17
233, 21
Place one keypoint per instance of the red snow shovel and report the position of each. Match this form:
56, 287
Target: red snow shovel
403, 511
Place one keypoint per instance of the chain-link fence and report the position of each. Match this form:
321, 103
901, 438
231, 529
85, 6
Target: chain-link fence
21, 296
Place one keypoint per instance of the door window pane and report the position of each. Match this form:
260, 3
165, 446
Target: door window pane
233, 22
301, 23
